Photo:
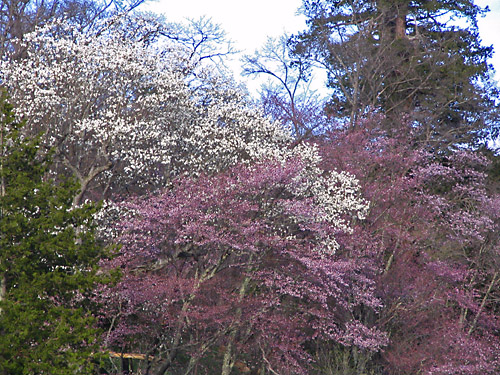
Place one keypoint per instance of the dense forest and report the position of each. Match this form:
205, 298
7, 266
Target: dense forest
156, 218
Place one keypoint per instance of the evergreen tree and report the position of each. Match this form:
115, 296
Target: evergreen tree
48, 264
421, 59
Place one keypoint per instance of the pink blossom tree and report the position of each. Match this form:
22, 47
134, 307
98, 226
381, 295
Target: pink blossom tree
434, 225
240, 267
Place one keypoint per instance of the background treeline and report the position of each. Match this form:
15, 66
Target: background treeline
155, 219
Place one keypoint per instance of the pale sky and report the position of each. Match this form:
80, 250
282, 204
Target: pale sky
249, 24
489, 29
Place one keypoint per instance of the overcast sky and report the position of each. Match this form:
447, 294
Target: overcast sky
249, 24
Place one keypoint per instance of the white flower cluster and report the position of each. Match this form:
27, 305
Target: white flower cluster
337, 194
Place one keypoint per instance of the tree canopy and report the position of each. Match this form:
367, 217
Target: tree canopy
290, 235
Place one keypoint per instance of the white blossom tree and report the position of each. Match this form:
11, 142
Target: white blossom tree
121, 111
124, 114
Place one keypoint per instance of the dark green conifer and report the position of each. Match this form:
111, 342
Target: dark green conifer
48, 263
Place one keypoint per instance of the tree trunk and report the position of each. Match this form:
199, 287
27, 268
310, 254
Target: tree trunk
400, 28
229, 357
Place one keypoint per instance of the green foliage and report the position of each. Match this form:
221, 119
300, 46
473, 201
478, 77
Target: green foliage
48, 263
